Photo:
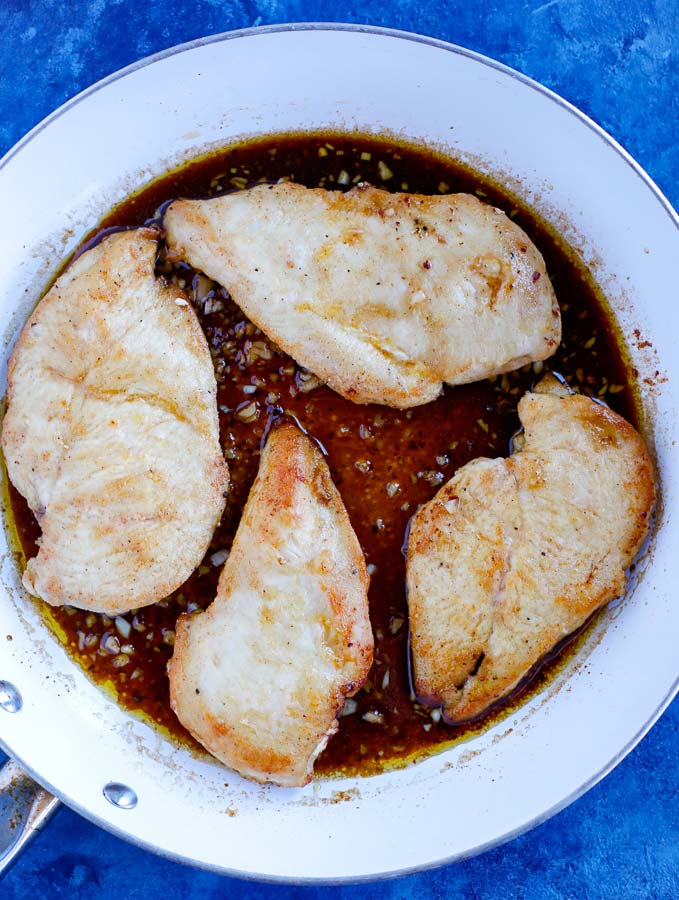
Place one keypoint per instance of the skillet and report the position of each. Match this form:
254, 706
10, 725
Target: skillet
129, 778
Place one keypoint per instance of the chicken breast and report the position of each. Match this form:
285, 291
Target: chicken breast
384, 296
111, 432
512, 555
260, 677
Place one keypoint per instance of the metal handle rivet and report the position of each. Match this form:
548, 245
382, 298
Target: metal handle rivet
120, 795
10, 698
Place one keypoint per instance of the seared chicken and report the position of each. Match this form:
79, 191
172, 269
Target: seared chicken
383, 296
512, 555
260, 677
111, 432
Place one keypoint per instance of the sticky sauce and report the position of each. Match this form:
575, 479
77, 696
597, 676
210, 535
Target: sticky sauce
385, 462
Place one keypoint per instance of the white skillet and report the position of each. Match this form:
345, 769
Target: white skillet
67, 173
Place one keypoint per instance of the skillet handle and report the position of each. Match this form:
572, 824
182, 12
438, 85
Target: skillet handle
25, 809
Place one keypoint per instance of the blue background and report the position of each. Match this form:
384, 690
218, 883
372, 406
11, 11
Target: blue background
619, 62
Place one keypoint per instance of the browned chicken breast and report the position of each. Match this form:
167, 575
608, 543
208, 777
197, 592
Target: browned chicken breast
111, 432
512, 555
260, 677
383, 296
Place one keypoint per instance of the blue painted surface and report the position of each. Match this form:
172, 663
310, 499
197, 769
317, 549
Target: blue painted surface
619, 62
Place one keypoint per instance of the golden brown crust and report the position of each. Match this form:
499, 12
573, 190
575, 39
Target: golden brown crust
513, 555
110, 385
384, 296
260, 677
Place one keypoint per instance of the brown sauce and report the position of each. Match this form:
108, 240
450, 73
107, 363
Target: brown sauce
384, 461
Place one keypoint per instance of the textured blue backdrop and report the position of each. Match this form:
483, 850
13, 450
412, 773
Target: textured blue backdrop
619, 62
